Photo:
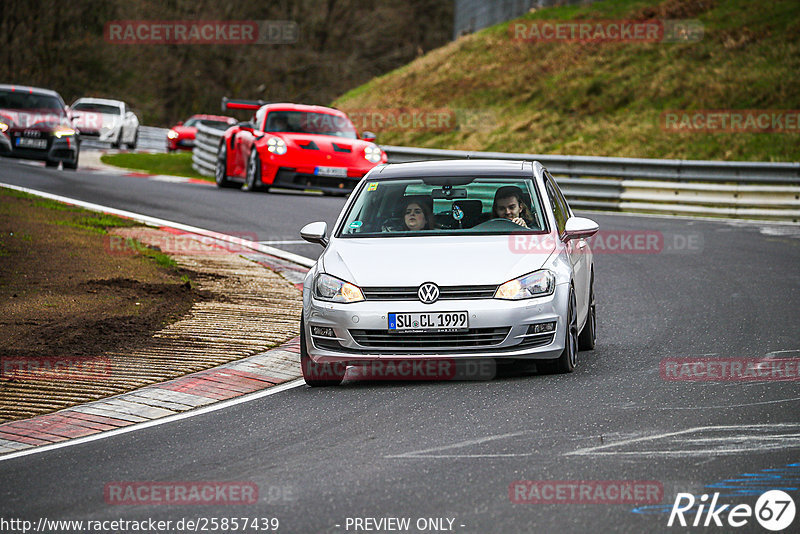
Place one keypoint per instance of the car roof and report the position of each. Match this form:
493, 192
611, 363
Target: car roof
90, 100
287, 106
469, 167
29, 89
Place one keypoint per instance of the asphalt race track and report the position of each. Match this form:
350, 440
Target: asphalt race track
324, 457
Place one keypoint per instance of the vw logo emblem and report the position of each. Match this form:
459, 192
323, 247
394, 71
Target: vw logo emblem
428, 293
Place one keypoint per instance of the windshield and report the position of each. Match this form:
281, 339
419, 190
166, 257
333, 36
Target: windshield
29, 102
97, 108
310, 123
477, 206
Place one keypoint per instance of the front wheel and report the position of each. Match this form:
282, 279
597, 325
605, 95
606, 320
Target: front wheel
318, 374
252, 180
588, 336
132, 144
221, 170
569, 356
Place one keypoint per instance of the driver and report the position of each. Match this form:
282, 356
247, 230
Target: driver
509, 204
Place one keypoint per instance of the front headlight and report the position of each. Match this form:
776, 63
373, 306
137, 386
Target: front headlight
276, 145
372, 153
172, 134
3, 127
63, 132
536, 284
326, 287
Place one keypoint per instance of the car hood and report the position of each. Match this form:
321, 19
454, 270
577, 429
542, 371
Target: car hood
445, 260
93, 120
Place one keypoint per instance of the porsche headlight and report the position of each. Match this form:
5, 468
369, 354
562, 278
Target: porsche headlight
372, 153
172, 134
3, 127
326, 287
536, 284
276, 145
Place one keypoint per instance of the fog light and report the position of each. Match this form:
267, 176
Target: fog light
542, 328
322, 331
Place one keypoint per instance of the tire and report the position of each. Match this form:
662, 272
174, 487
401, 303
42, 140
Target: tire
588, 336
51, 164
118, 142
318, 374
72, 165
252, 181
568, 360
132, 144
221, 171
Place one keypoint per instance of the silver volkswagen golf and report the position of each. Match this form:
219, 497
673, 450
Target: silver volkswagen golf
455, 261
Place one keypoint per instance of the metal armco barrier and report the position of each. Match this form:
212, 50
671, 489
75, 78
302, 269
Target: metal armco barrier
204, 153
748, 190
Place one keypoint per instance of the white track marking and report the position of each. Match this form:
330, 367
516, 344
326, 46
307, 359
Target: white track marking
749, 442
424, 452
155, 422
154, 221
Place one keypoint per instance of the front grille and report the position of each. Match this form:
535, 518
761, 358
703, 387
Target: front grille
471, 339
290, 178
445, 292
326, 343
537, 341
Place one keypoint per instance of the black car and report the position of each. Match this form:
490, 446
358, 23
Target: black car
35, 124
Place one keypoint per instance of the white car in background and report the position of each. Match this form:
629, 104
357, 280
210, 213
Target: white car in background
109, 121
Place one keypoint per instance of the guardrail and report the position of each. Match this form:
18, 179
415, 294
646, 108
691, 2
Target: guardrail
752, 190
204, 153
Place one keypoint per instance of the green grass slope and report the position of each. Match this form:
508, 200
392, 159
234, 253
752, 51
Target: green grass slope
605, 99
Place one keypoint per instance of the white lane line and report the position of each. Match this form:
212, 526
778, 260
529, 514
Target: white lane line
740, 438
154, 221
707, 407
155, 422
287, 242
424, 452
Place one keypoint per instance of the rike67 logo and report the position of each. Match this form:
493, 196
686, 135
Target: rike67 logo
774, 510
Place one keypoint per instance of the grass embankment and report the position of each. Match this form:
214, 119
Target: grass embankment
176, 164
605, 99
66, 291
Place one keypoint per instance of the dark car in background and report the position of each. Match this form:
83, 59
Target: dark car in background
181, 136
35, 124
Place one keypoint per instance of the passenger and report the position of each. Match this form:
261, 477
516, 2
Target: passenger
417, 216
509, 204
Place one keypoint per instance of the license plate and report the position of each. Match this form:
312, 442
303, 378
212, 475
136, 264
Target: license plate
339, 172
31, 143
429, 322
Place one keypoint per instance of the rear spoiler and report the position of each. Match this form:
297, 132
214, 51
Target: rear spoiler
236, 103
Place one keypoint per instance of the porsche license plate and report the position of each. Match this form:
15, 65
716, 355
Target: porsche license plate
338, 172
429, 322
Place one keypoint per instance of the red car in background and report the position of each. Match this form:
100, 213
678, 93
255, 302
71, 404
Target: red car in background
295, 146
181, 136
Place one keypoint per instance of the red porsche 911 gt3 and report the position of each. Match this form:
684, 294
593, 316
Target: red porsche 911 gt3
294, 146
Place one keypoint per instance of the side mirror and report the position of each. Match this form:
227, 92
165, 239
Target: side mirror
579, 228
180, 123
368, 136
315, 232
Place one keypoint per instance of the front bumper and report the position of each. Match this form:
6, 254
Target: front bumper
498, 329
57, 149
